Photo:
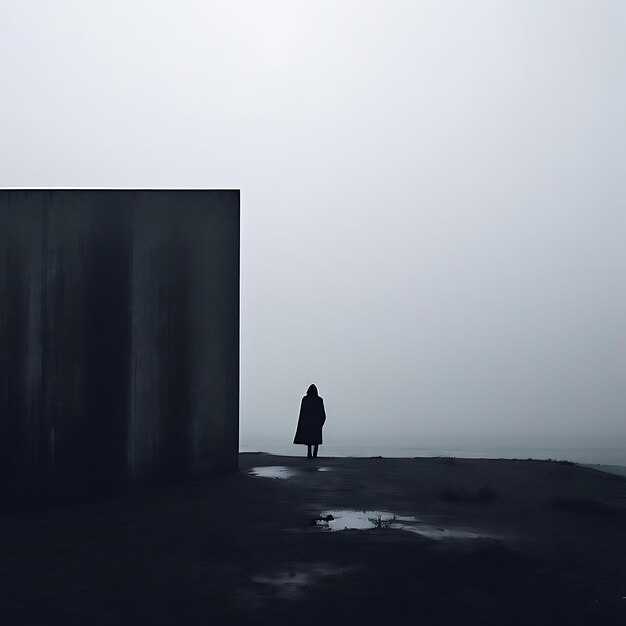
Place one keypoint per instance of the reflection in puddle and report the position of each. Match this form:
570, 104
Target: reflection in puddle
435, 532
282, 471
274, 471
290, 584
346, 519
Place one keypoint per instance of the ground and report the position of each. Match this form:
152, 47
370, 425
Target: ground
544, 543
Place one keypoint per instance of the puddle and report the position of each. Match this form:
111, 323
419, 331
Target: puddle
434, 532
274, 471
283, 472
291, 583
347, 519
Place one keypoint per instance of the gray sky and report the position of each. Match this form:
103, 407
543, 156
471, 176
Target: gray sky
433, 191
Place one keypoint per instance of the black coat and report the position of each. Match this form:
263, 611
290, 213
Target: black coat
310, 422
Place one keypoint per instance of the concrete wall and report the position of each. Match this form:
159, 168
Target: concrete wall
119, 340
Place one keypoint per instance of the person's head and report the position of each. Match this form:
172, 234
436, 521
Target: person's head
311, 391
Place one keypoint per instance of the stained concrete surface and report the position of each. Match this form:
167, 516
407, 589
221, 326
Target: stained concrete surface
119, 340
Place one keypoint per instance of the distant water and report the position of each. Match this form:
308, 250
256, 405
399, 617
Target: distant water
575, 450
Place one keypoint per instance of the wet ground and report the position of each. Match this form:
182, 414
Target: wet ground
294, 541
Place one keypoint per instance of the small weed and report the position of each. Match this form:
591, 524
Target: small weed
382, 522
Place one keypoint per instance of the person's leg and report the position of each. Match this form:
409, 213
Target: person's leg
315, 447
309, 455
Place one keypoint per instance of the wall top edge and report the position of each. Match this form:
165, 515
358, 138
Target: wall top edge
120, 188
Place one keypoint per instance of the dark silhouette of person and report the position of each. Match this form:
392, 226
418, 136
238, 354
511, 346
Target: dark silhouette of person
310, 421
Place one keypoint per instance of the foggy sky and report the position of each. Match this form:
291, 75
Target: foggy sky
433, 196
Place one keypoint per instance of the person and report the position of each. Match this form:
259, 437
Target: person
310, 421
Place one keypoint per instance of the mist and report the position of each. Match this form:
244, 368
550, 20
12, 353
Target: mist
432, 192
